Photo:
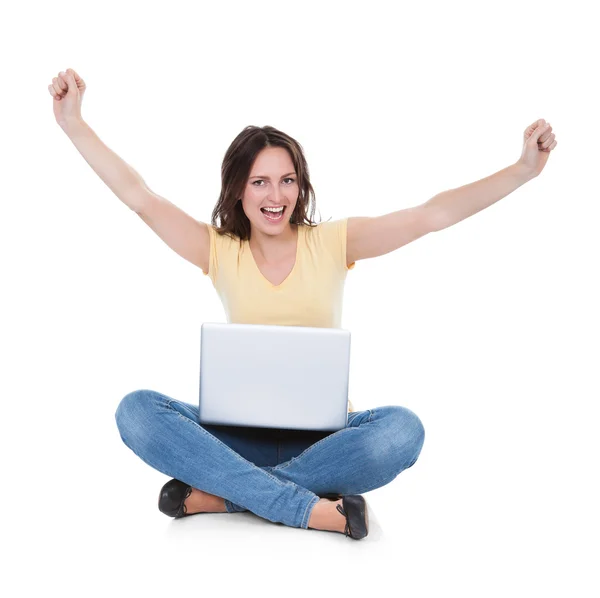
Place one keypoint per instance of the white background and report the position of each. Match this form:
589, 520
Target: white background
488, 330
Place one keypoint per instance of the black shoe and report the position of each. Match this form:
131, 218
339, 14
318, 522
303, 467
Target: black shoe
354, 508
171, 500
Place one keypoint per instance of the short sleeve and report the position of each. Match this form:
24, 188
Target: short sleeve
212, 257
342, 227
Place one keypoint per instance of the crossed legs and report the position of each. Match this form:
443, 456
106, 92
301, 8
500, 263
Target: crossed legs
371, 451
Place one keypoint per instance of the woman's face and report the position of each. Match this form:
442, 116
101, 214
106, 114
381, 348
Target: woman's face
272, 184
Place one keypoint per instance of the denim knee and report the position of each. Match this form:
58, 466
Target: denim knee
406, 434
129, 410
413, 434
418, 431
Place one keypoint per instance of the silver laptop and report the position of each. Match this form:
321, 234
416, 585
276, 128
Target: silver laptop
291, 377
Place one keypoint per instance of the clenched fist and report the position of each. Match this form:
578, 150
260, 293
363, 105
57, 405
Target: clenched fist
67, 90
538, 142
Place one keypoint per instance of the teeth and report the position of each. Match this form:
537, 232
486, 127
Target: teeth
274, 209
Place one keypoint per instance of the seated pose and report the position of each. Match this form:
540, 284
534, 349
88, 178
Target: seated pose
270, 263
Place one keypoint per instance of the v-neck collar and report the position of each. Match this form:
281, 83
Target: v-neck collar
294, 268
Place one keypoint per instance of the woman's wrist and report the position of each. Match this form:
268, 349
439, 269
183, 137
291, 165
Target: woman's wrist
72, 125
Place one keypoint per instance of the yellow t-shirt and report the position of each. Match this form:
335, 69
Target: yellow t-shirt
312, 293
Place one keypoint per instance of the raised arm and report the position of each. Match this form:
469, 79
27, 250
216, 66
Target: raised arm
188, 237
67, 90
374, 236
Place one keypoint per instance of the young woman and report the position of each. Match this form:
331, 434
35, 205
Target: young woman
271, 264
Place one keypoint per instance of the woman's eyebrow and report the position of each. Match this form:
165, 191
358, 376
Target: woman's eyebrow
263, 176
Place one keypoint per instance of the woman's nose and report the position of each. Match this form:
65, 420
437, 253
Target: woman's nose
277, 195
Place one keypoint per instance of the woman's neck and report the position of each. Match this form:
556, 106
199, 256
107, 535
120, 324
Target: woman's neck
274, 248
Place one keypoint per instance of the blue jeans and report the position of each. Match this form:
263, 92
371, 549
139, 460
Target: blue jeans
276, 474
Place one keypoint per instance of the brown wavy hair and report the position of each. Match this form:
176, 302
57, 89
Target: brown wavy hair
235, 172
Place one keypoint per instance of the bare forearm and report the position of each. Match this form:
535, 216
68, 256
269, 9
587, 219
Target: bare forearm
457, 204
120, 177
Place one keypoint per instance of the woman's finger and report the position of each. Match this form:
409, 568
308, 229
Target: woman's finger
533, 126
545, 135
77, 78
549, 141
551, 147
62, 82
56, 86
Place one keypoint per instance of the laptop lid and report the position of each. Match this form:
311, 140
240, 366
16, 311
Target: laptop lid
291, 377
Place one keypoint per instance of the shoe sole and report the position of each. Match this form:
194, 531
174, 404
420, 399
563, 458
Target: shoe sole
357, 501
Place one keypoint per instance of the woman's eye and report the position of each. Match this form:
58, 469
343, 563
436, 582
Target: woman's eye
262, 181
